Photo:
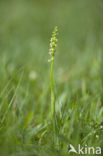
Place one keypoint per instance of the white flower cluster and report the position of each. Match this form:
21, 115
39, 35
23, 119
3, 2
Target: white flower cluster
53, 44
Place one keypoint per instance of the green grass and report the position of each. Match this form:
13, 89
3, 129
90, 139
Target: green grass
26, 127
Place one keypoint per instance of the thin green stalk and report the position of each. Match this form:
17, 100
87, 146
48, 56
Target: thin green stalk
52, 91
53, 101
52, 50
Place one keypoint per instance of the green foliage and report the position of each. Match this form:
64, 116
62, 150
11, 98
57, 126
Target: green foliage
26, 127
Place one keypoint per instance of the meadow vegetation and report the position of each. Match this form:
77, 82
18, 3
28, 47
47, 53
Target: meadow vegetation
26, 127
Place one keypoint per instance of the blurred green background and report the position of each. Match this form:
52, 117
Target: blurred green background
25, 30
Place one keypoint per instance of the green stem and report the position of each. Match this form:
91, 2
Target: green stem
52, 91
53, 102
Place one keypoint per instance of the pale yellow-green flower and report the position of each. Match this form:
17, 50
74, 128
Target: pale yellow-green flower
53, 44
